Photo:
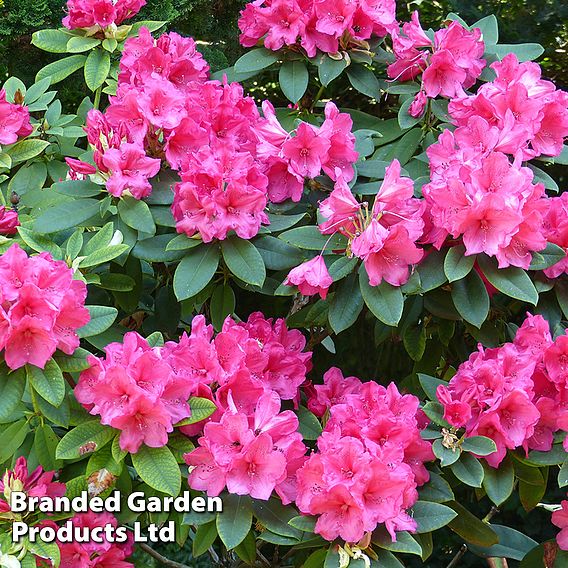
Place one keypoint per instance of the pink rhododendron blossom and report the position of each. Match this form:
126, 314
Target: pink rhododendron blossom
14, 121
311, 277
102, 13
513, 394
369, 462
560, 519
556, 231
41, 308
321, 25
103, 553
38, 483
449, 64
9, 222
385, 237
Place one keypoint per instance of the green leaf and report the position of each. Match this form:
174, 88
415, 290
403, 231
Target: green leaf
310, 238
554, 456
385, 301
512, 544
469, 470
489, 28
102, 317
480, 445
304, 523
26, 149
563, 475
310, 427
431, 516
414, 339
470, 528
73, 363
66, 215
222, 305
471, 299
329, 69
78, 44
43, 549
430, 384
404, 118
136, 214
499, 483
200, 409
547, 257
293, 78
234, 523
437, 490
48, 382
28, 177
456, 264
53, 41
243, 260
158, 468
404, 542
61, 69
275, 517
11, 391
246, 550
40, 243
255, 60
431, 271
155, 249
276, 254
45, 444
182, 242
204, 537
12, 439
97, 68
446, 456
513, 282
195, 271
364, 80
523, 51
85, 438
346, 304
104, 255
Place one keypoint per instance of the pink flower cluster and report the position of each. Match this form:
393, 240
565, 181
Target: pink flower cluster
516, 394
518, 110
305, 152
384, 237
144, 391
555, 228
41, 307
254, 449
449, 64
478, 194
135, 390
38, 483
370, 459
14, 121
324, 25
560, 519
101, 13
248, 445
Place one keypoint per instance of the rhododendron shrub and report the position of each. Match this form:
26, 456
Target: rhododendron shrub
341, 309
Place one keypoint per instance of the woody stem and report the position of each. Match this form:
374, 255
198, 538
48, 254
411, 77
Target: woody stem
164, 561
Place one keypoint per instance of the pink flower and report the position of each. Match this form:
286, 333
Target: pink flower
418, 105
257, 471
8, 221
130, 170
307, 151
340, 209
103, 13
312, 277
560, 519
14, 121
387, 253
38, 483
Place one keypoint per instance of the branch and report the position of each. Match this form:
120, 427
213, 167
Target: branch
458, 556
165, 561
